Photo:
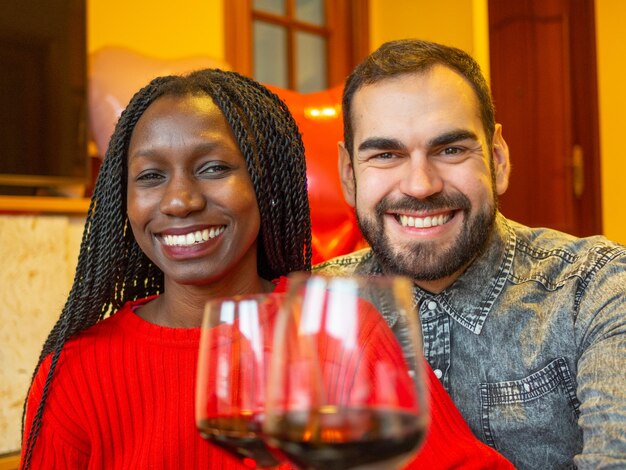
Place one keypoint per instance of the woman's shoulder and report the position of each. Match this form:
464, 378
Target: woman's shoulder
78, 369
122, 319
84, 355
104, 334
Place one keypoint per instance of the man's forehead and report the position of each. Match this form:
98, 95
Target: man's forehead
437, 94
428, 77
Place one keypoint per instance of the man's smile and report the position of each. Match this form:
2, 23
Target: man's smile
423, 222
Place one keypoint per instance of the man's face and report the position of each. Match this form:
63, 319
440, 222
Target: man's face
422, 179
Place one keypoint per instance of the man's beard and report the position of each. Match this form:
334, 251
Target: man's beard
427, 261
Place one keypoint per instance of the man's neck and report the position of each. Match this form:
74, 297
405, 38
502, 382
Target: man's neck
437, 286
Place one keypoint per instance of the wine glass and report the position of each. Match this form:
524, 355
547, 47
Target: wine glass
235, 342
345, 389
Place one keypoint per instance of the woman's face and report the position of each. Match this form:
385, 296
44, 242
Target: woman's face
191, 203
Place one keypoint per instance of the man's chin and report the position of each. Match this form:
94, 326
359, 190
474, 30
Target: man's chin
417, 268
429, 259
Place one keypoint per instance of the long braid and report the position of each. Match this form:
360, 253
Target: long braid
268, 137
32, 436
96, 289
112, 269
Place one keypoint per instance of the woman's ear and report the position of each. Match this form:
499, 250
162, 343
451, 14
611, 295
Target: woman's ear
500, 160
346, 174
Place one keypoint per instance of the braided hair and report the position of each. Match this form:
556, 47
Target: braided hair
112, 268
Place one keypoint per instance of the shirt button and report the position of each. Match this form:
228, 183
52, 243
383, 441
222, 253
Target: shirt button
438, 373
432, 305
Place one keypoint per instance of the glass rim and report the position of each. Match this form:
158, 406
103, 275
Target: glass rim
238, 297
360, 277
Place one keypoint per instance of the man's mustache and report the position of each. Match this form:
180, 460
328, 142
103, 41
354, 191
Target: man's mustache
435, 202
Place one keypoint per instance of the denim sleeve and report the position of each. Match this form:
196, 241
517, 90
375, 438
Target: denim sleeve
601, 377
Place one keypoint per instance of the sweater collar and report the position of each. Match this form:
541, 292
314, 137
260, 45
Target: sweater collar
136, 325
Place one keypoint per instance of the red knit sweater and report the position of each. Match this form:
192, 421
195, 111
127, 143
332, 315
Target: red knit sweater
123, 398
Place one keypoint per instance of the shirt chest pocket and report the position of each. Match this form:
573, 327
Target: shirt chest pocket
538, 414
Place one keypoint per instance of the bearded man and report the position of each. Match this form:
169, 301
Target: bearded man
525, 327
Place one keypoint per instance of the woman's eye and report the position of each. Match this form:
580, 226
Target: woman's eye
214, 169
149, 176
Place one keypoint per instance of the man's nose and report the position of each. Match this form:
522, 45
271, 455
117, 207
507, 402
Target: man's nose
421, 179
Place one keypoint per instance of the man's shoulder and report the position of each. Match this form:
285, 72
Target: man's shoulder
543, 241
344, 265
560, 255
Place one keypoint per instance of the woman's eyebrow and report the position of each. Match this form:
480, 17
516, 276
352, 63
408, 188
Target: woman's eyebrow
154, 151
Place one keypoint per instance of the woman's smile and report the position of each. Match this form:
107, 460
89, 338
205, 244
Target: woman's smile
191, 203
191, 238
191, 244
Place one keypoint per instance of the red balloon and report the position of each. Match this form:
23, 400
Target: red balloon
334, 226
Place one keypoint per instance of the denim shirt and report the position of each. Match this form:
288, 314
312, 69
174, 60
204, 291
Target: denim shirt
530, 342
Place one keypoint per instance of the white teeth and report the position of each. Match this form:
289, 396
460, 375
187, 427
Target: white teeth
193, 237
424, 222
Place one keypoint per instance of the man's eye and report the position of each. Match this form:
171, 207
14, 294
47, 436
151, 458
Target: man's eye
452, 151
384, 156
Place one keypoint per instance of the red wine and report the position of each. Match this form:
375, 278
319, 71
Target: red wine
239, 435
339, 439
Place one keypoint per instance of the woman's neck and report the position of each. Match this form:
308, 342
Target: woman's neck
182, 306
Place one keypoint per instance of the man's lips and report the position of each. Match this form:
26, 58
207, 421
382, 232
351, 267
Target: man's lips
424, 221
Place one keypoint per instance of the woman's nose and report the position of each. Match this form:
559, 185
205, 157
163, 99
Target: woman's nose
182, 197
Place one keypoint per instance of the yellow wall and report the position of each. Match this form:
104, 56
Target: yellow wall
168, 29
610, 18
159, 28
448, 22
458, 23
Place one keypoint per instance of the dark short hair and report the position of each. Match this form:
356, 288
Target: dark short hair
408, 56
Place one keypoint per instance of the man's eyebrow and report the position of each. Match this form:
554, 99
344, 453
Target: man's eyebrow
378, 143
451, 137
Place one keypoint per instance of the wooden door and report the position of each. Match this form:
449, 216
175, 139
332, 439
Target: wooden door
543, 79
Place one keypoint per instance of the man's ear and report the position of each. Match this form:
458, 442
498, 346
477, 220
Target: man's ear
346, 174
500, 160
